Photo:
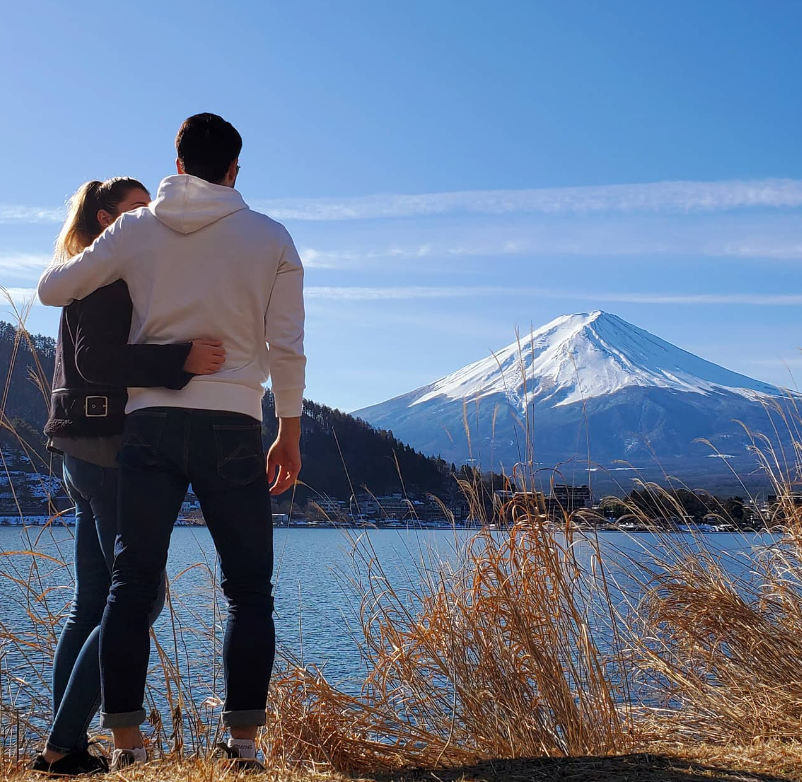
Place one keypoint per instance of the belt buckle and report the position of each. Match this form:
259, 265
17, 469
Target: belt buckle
96, 407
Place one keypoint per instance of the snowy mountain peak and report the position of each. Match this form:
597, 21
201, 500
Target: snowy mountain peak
641, 400
586, 355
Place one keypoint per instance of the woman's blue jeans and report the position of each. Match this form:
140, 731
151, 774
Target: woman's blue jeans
76, 666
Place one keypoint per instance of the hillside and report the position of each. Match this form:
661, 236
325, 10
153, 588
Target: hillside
339, 451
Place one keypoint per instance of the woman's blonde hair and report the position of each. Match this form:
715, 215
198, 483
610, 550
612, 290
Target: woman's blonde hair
82, 227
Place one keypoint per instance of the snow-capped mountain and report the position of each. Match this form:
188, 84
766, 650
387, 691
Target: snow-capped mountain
582, 356
588, 382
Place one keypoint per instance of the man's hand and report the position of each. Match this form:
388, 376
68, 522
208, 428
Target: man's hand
206, 357
284, 457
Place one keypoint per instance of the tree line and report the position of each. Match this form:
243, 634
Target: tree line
342, 454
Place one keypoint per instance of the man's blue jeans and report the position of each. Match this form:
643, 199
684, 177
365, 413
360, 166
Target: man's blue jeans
76, 665
222, 456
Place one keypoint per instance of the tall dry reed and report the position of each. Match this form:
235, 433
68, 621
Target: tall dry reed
718, 637
489, 653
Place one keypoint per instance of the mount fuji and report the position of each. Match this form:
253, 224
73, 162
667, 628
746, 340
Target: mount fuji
595, 393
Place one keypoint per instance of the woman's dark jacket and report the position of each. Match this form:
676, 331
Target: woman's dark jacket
95, 365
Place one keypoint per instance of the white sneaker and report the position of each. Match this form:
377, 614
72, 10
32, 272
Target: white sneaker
122, 758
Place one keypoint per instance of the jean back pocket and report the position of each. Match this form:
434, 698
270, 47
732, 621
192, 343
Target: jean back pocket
240, 453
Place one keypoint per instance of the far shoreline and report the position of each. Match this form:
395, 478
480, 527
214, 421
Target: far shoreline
42, 522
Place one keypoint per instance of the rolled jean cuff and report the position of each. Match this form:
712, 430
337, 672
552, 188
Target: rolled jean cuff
244, 719
122, 719
66, 750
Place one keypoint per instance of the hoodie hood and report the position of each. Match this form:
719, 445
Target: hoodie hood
186, 203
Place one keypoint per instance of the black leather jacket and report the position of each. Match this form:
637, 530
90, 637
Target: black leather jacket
95, 365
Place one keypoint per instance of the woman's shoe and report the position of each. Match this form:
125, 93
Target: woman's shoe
73, 764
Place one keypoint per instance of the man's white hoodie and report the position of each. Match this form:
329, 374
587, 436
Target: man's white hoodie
200, 264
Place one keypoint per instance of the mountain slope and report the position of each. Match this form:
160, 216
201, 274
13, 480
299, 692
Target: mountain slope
586, 384
341, 454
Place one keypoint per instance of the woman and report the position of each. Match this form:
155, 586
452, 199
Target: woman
94, 366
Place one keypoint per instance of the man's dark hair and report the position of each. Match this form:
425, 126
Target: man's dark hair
207, 145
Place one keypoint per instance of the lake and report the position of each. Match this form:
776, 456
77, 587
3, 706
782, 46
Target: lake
317, 605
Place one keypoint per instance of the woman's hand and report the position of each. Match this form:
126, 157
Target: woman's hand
206, 357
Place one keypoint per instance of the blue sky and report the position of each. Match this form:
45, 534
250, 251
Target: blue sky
451, 171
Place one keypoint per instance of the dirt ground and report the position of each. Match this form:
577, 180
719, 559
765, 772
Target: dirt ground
757, 763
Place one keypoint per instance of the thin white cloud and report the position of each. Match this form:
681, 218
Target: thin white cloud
10, 213
583, 244
19, 296
22, 265
682, 197
409, 293
331, 259
457, 292
755, 299
770, 249
662, 197
775, 237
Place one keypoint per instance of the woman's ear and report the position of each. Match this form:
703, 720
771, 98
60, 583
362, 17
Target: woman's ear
104, 218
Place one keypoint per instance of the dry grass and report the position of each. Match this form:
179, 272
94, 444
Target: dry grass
660, 763
493, 657
721, 640
195, 770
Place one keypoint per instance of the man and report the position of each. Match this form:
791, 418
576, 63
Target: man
199, 261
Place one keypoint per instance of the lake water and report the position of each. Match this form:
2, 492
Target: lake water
317, 606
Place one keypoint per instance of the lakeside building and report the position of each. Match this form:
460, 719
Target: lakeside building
393, 506
398, 508
778, 504
429, 509
329, 505
793, 498
565, 498
514, 506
